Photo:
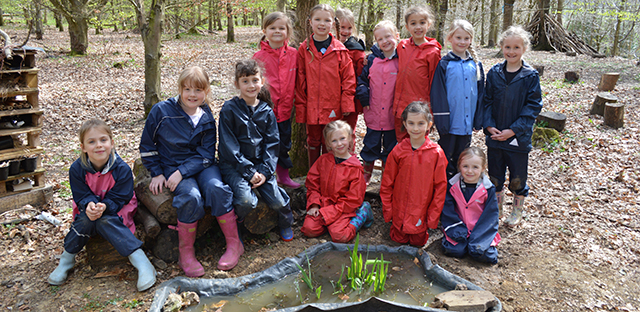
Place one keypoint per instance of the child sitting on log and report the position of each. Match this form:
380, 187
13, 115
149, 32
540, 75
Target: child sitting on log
103, 203
178, 147
336, 189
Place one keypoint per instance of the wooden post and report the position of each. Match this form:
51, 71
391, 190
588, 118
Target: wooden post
608, 81
554, 120
601, 99
571, 76
614, 115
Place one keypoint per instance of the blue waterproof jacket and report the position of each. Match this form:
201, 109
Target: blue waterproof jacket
514, 106
456, 95
249, 141
170, 142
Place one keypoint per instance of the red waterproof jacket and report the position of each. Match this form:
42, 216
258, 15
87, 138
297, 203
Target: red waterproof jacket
414, 186
325, 84
337, 188
417, 64
280, 67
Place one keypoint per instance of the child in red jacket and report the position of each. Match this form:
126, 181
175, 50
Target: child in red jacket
418, 58
414, 183
326, 82
335, 189
345, 28
280, 64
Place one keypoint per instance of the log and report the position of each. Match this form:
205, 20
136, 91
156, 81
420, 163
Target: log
554, 120
608, 81
148, 221
261, 219
166, 245
614, 115
571, 76
540, 69
100, 253
161, 205
597, 108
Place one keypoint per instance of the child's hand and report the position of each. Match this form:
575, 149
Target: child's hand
502, 135
156, 184
364, 62
257, 180
94, 211
173, 180
314, 212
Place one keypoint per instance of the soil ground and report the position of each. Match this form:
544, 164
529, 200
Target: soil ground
577, 251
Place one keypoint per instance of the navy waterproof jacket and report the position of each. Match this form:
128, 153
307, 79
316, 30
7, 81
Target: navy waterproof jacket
514, 106
249, 141
170, 142
456, 95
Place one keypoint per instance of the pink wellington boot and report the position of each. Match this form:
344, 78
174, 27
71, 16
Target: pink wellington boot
235, 249
187, 260
284, 179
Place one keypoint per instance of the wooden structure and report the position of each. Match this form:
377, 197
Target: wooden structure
571, 76
614, 115
597, 108
19, 103
554, 120
608, 81
557, 37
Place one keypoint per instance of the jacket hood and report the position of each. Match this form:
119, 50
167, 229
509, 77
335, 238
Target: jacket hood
264, 45
354, 44
113, 158
351, 161
484, 180
241, 104
335, 45
375, 50
430, 42
428, 144
527, 70
453, 57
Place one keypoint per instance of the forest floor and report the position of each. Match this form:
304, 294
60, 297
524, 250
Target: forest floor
578, 250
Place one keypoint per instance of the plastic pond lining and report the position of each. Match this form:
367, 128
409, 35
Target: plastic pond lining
286, 267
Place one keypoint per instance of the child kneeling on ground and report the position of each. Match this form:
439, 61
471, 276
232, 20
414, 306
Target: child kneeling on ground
103, 203
335, 189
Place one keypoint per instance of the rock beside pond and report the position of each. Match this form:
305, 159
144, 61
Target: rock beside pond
465, 300
176, 302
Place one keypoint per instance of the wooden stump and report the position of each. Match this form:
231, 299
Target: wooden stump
148, 222
540, 69
601, 99
608, 81
614, 115
261, 219
571, 76
554, 120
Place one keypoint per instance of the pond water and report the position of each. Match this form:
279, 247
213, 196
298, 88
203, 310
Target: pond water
406, 283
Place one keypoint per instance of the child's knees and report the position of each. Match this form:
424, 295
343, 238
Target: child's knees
457, 251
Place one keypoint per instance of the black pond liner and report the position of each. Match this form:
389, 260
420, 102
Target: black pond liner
286, 267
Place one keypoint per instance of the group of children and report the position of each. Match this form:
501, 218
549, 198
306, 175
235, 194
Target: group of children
403, 88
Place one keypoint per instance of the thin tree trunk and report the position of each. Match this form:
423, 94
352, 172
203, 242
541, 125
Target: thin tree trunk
482, 18
508, 14
616, 35
58, 17
79, 40
231, 37
543, 41
151, 32
38, 19
370, 23
559, 11
493, 26
399, 6
210, 21
1, 17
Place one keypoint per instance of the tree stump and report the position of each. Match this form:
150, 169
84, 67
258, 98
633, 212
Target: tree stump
614, 115
608, 81
554, 120
540, 69
601, 99
571, 76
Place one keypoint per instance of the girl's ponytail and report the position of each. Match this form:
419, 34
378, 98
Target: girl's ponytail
265, 95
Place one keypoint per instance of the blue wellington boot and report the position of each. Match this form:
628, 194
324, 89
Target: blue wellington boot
364, 216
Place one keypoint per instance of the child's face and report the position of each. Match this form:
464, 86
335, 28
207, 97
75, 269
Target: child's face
386, 39
416, 125
346, 30
417, 25
250, 87
276, 33
339, 142
471, 168
513, 49
321, 22
460, 41
97, 144
192, 97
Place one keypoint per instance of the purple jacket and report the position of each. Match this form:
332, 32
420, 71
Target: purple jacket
376, 86
476, 220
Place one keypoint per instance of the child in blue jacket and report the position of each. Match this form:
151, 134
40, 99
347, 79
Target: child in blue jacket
470, 213
104, 204
456, 94
249, 145
178, 147
512, 102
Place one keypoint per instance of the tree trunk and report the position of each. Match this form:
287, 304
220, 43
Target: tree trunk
616, 35
543, 41
78, 14
58, 17
1, 17
210, 14
440, 7
399, 6
508, 14
493, 25
37, 21
79, 39
482, 18
231, 37
559, 11
281, 5
151, 31
370, 23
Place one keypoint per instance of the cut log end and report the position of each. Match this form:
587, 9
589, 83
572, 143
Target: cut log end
614, 115
597, 108
608, 81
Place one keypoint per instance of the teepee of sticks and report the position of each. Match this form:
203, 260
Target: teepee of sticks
559, 38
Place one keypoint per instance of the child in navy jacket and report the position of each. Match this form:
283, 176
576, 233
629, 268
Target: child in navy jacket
249, 144
470, 214
103, 201
178, 147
